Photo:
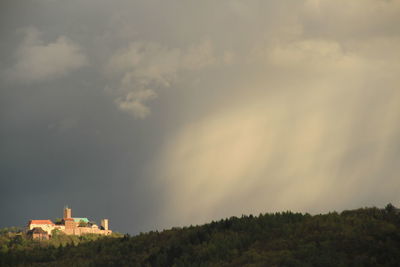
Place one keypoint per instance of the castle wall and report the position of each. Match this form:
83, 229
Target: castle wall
86, 230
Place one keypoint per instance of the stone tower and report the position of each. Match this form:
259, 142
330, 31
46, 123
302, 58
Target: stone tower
67, 212
104, 224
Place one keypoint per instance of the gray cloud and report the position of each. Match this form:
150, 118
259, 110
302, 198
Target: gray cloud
38, 61
143, 68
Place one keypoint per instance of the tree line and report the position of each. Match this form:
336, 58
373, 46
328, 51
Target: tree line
361, 237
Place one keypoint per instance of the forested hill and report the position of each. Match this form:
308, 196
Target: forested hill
362, 237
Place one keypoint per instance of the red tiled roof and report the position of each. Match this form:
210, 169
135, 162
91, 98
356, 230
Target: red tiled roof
41, 222
68, 219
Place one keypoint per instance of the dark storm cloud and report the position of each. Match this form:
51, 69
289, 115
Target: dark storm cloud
157, 113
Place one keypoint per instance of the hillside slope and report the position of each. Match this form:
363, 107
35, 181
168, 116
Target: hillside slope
363, 237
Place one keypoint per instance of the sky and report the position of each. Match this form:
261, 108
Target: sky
156, 113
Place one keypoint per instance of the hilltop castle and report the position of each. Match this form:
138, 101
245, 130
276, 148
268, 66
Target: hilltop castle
42, 229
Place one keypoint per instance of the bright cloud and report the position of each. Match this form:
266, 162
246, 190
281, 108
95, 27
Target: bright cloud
311, 129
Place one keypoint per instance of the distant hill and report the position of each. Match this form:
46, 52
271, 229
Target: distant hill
362, 237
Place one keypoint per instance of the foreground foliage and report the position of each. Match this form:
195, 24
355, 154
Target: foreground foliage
363, 237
